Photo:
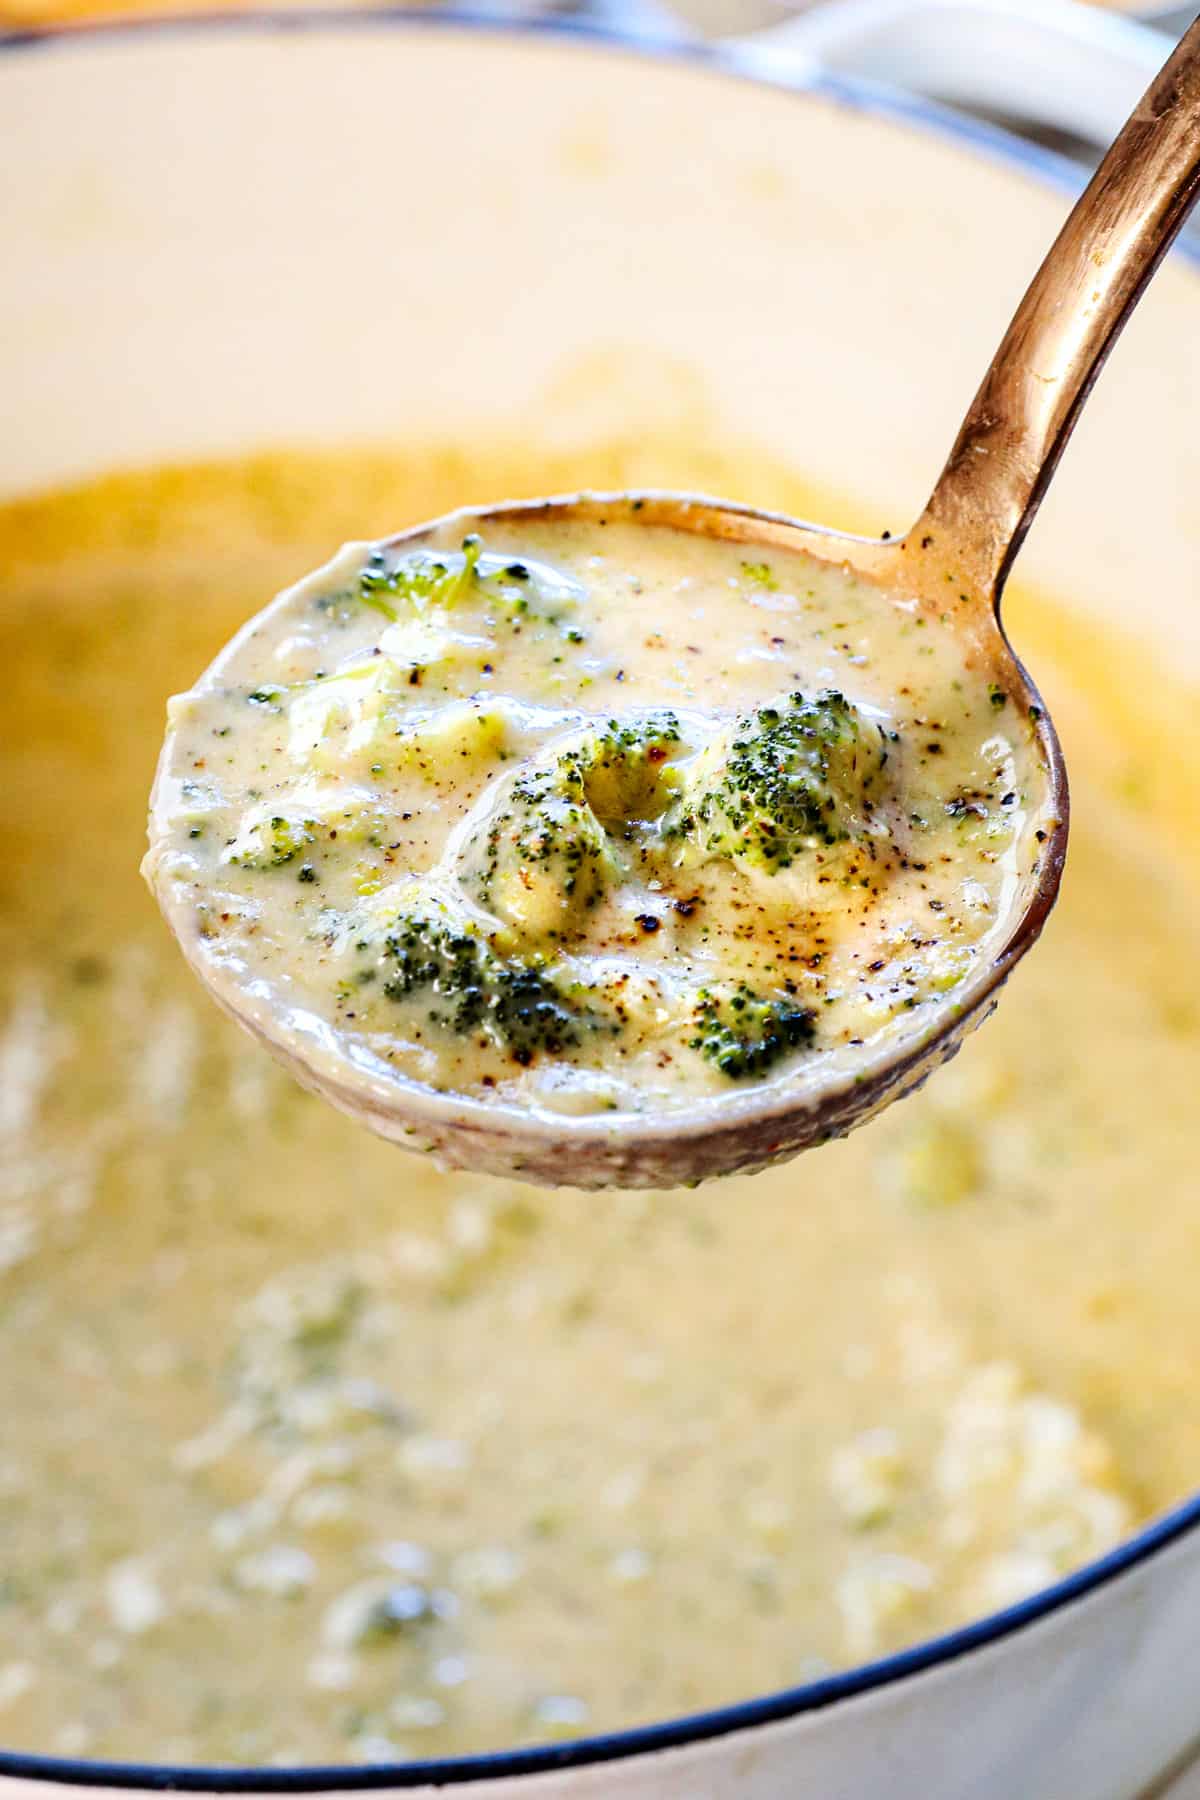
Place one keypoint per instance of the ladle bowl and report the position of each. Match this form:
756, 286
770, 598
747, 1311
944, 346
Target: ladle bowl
956, 560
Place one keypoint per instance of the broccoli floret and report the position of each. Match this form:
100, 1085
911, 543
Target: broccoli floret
791, 777
742, 1034
420, 579
625, 768
521, 1008
273, 832
538, 858
545, 842
424, 582
270, 843
547, 838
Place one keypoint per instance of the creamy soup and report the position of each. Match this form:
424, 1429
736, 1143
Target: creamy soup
585, 813
313, 1453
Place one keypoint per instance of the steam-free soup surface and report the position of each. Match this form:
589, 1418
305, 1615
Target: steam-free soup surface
584, 813
313, 1453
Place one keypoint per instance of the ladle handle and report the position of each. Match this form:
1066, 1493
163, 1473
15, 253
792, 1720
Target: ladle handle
1094, 276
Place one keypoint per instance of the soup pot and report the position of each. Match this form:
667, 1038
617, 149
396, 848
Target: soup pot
261, 232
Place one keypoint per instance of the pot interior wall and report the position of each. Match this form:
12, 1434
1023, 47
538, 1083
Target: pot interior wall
262, 234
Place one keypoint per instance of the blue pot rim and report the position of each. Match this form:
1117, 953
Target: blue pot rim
857, 96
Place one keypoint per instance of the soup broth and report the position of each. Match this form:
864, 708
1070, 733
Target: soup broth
313, 1453
448, 815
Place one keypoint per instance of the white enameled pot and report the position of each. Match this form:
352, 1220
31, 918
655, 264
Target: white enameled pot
1058, 65
264, 232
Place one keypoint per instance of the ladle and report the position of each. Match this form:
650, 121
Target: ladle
957, 556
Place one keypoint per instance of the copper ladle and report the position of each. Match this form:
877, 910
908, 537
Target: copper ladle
959, 552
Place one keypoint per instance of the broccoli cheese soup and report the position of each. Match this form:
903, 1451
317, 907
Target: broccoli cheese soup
583, 813
314, 1454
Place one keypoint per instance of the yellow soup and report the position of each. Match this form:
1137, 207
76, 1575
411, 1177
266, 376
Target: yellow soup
314, 1453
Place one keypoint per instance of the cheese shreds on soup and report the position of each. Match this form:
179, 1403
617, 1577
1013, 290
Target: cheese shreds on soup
313, 1453
583, 814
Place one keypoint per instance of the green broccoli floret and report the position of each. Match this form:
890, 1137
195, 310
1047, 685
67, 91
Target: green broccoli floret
272, 842
422, 582
420, 579
625, 769
789, 778
546, 842
522, 1009
743, 1034
543, 858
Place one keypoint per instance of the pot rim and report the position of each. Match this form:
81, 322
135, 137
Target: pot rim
743, 62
